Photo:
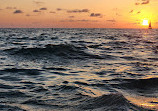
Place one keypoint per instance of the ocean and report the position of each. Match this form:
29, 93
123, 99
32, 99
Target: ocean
78, 69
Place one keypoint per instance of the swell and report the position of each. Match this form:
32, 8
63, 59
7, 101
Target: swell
23, 71
10, 108
67, 51
109, 102
148, 83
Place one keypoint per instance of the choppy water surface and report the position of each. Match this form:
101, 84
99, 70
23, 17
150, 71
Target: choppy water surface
78, 69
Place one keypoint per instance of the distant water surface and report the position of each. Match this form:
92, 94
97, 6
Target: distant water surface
78, 69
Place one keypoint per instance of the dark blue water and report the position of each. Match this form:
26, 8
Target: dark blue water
78, 69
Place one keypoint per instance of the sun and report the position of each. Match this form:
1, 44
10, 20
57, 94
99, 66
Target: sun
145, 22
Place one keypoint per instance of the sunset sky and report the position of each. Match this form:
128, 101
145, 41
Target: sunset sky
77, 13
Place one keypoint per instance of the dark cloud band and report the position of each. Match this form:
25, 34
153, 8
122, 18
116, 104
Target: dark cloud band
17, 11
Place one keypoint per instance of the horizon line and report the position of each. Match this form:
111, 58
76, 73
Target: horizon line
64, 28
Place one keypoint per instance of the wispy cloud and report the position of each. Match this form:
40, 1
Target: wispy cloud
74, 10
142, 2
87, 20
78, 11
67, 21
52, 12
71, 16
38, 2
137, 3
138, 12
36, 11
10, 8
145, 2
131, 11
28, 15
43, 8
96, 15
59, 9
82, 20
17, 12
112, 20
117, 14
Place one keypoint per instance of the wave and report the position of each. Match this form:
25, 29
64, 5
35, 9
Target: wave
10, 108
86, 84
141, 83
109, 102
67, 51
131, 36
6, 86
13, 94
55, 68
24, 71
64, 87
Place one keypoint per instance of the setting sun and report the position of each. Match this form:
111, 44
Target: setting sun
145, 22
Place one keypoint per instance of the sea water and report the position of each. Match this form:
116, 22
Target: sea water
78, 69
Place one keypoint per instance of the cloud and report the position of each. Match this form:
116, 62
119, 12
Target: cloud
145, 2
59, 9
67, 21
131, 11
37, 2
117, 14
36, 11
74, 10
95, 15
71, 16
138, 12
28, 15
137, 3
78, 11
43, 8
17, 12
52, 12
142, 2
82, 20
10, 8
111, 20
39, 9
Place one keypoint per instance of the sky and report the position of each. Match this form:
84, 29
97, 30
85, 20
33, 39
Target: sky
77, 13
